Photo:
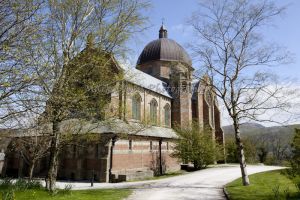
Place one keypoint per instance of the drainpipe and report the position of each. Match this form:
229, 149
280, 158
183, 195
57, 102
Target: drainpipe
160, 158
113, 140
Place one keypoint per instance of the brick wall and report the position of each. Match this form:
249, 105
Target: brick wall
143, 156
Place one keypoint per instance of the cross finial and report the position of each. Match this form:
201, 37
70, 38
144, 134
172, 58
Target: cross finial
162, 21
163, 33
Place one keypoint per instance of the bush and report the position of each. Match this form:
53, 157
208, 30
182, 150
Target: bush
196, 146
67, 190
6, 183
270, 160
296, 181
232, 153
294, 171
20, 184
34, 185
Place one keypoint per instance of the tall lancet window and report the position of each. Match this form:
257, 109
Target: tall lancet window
167, 111
136, 107
210, 101
153, 112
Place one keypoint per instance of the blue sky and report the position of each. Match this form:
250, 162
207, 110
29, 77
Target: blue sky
286, 31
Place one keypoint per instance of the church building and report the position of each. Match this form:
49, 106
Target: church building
156, 96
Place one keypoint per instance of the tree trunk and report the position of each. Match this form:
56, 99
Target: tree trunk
31, 168
54, 150
240, 149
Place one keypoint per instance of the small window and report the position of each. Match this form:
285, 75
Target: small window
151, 146
130, 145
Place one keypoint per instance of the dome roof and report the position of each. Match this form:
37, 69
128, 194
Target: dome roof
164, 49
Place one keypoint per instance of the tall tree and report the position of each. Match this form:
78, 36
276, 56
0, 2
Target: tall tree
19, 21
233, 53
61, 76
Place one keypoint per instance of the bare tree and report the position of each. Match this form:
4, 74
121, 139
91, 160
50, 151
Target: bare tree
18, 22
65, 66
234, 54
32, 148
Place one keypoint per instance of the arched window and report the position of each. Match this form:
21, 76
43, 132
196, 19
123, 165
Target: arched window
153, 112
136, 107
167, 111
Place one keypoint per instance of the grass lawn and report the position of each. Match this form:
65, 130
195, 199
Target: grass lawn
105, 194
263, 186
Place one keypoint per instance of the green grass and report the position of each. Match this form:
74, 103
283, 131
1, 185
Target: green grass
105, 194
33, 190
263, 186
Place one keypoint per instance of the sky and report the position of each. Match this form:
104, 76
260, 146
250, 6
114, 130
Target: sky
175, 13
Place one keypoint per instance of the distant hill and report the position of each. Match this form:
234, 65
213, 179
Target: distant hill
251, 129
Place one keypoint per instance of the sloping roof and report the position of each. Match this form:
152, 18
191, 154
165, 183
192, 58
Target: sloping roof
115, 126
144, 80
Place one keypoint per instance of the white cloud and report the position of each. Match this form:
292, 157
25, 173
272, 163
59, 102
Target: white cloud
291, 114
184, 30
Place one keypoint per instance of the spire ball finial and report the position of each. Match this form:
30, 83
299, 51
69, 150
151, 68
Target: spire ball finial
163, 33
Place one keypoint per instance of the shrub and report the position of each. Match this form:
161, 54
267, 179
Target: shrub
294, 171
22, 184
270, 160
67, 190
19, 185
196, 146
34, 185
232, 152
6, 183
296, 181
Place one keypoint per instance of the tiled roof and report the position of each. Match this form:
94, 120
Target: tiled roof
144, 80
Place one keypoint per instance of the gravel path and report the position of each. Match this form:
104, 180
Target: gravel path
204, 184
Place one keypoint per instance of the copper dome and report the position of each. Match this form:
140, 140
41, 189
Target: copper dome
164, 49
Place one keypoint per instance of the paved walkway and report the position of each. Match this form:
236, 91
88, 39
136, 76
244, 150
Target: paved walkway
204, 184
